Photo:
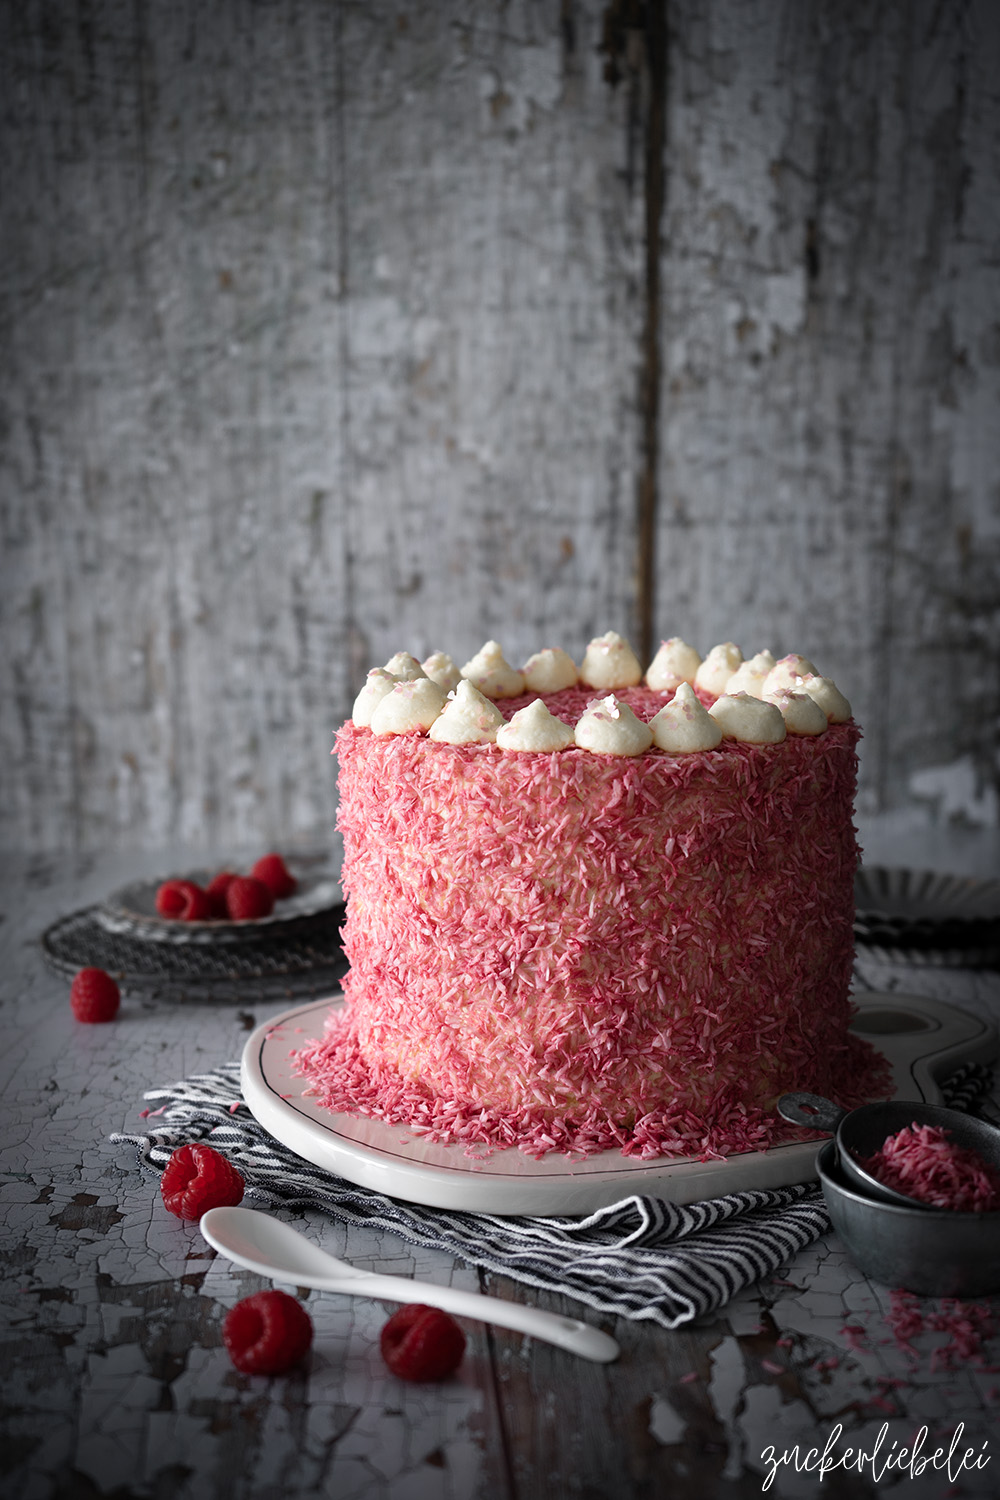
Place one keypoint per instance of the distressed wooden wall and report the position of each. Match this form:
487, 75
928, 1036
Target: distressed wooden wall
337, 328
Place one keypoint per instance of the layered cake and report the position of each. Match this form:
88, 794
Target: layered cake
591, 907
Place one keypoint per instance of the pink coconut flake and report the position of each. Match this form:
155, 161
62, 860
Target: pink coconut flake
855, 1336
574, 953
924, 1162
905, 1321
969, 1325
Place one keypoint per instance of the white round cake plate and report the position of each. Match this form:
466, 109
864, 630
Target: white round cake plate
922, 1039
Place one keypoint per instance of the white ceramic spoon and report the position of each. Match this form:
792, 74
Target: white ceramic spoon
276, 1250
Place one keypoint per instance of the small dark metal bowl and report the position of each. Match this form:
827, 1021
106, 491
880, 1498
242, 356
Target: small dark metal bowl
938, 1254
858, 1134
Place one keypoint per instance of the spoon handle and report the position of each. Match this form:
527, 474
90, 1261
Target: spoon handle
568, 1333
280, 1253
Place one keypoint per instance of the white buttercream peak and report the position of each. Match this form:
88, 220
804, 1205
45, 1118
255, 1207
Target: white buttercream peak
610, 662
674, 663
683, 725
440, 668
377, 684
802, 714
549, 671
829, 697
750, 676
742, 717
468, 718
787, 674
409, 708
492, 674
404, 667
609, 727
717, 668
534, 728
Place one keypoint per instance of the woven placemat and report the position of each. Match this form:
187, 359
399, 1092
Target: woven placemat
304, 958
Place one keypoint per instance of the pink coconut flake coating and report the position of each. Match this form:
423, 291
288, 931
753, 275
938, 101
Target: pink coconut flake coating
575, 952
924, 1161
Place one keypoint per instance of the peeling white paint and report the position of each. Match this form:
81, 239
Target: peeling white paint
666, 1423
726, 1391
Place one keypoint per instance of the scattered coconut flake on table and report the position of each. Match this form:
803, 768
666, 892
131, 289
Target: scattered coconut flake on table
970, 1324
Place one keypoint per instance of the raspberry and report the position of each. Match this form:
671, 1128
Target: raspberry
422, 1343
183, 901
94, 996
216, 893
170, 898
267, 1333
247, 897
199, 905
197, 1178
275, 875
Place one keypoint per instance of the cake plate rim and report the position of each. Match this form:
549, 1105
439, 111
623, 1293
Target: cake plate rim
375, 1155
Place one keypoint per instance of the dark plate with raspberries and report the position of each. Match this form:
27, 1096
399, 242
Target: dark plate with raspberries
226, 905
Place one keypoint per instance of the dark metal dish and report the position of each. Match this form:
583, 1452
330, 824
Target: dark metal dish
131, 911
935, 1254
858, 1134
926, 917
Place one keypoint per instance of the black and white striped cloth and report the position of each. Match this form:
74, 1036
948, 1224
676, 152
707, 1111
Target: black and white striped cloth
641, 1258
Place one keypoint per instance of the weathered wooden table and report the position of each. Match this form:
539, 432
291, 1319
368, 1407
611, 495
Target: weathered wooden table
116, 1382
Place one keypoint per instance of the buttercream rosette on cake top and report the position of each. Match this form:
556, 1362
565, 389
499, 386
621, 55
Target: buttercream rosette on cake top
594, 908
